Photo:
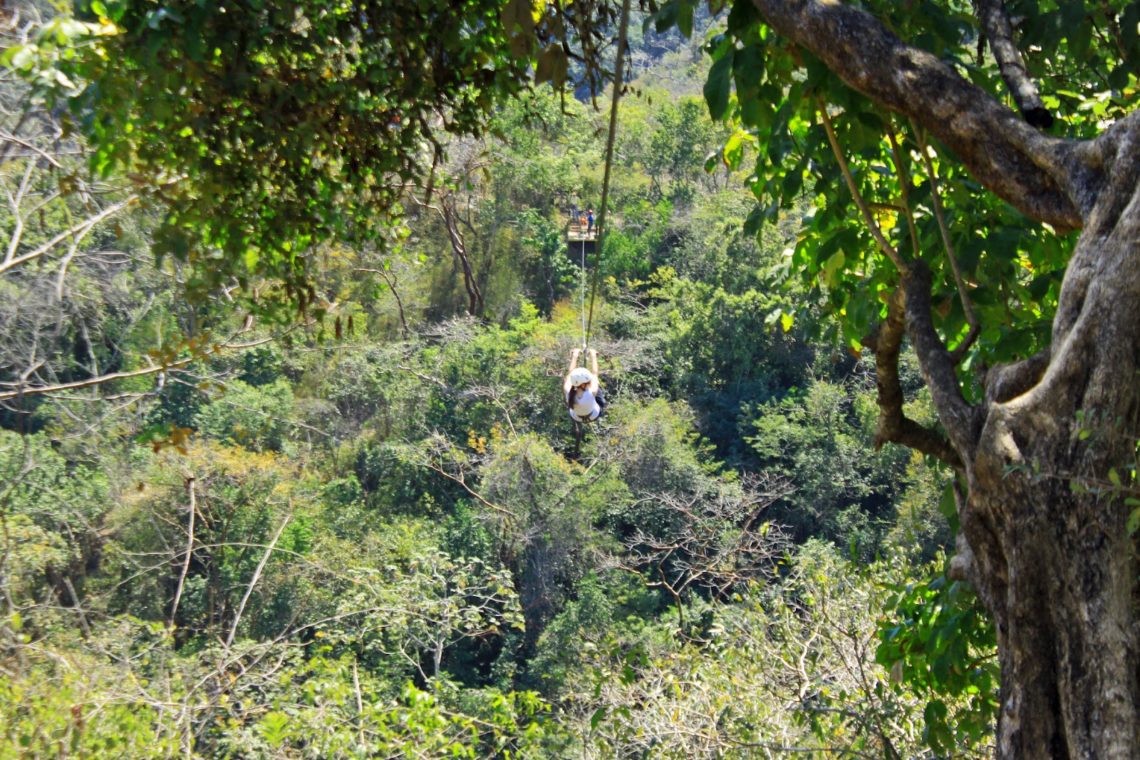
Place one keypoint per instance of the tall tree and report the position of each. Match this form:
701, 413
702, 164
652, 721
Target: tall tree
1042, 430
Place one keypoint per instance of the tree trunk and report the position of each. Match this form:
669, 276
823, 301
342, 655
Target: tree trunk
1048, 457
459, 249
1047, 523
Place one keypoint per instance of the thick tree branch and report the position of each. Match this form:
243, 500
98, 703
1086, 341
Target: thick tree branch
1117, 147
961, 420
1008, 381
894, 425
999, 33
1044, 177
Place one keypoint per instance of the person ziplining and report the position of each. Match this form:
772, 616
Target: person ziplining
581, 389
583, 393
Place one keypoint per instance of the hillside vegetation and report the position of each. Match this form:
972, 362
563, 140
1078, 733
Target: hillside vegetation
370, 529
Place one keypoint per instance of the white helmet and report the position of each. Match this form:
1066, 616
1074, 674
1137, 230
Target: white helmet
580, 375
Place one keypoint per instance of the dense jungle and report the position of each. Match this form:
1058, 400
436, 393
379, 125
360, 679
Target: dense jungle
286, 468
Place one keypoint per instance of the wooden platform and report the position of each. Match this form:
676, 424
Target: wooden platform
576, 233
579, 244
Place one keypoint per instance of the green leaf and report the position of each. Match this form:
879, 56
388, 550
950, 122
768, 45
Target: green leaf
551, 65
748, 69
685, 18
734, 148
742, 17
1130, 26
832, 267
1133, 521
719, 85
947, 505
666, 18
275, 728
19, 57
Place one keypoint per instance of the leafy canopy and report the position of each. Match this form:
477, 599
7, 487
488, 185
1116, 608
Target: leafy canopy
260, 130
784, 101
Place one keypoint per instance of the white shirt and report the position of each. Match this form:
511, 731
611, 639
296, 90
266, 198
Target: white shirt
585, 407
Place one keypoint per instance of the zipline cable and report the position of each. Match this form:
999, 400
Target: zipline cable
582, 288
619, 70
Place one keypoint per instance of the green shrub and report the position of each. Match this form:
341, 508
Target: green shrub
257, 418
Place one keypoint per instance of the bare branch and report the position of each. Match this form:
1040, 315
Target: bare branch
40, 390
18, 218
868, 217
189, 550
461, 481
77, 606
10, 138
253, 581
904, 185
935, 198
426, 378
391, 283
79, 230
712, 540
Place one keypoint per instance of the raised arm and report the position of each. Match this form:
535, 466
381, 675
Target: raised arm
573, 363
594, 369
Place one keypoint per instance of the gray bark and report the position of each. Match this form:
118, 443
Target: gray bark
1045, 529
1057, 568
999, 33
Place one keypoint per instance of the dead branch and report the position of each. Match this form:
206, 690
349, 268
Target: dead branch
190, 490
